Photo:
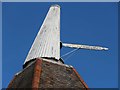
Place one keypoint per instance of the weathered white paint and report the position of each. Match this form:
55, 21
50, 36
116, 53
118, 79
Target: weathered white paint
47, 41
84, 46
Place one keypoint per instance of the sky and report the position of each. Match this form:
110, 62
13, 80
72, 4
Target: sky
82, 23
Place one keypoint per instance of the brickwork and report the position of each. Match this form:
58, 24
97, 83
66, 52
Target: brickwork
23, 80
57, 76
45, 74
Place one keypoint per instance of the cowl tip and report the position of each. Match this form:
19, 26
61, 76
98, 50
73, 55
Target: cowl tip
55, 5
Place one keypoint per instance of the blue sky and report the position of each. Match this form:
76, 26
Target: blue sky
84, 23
